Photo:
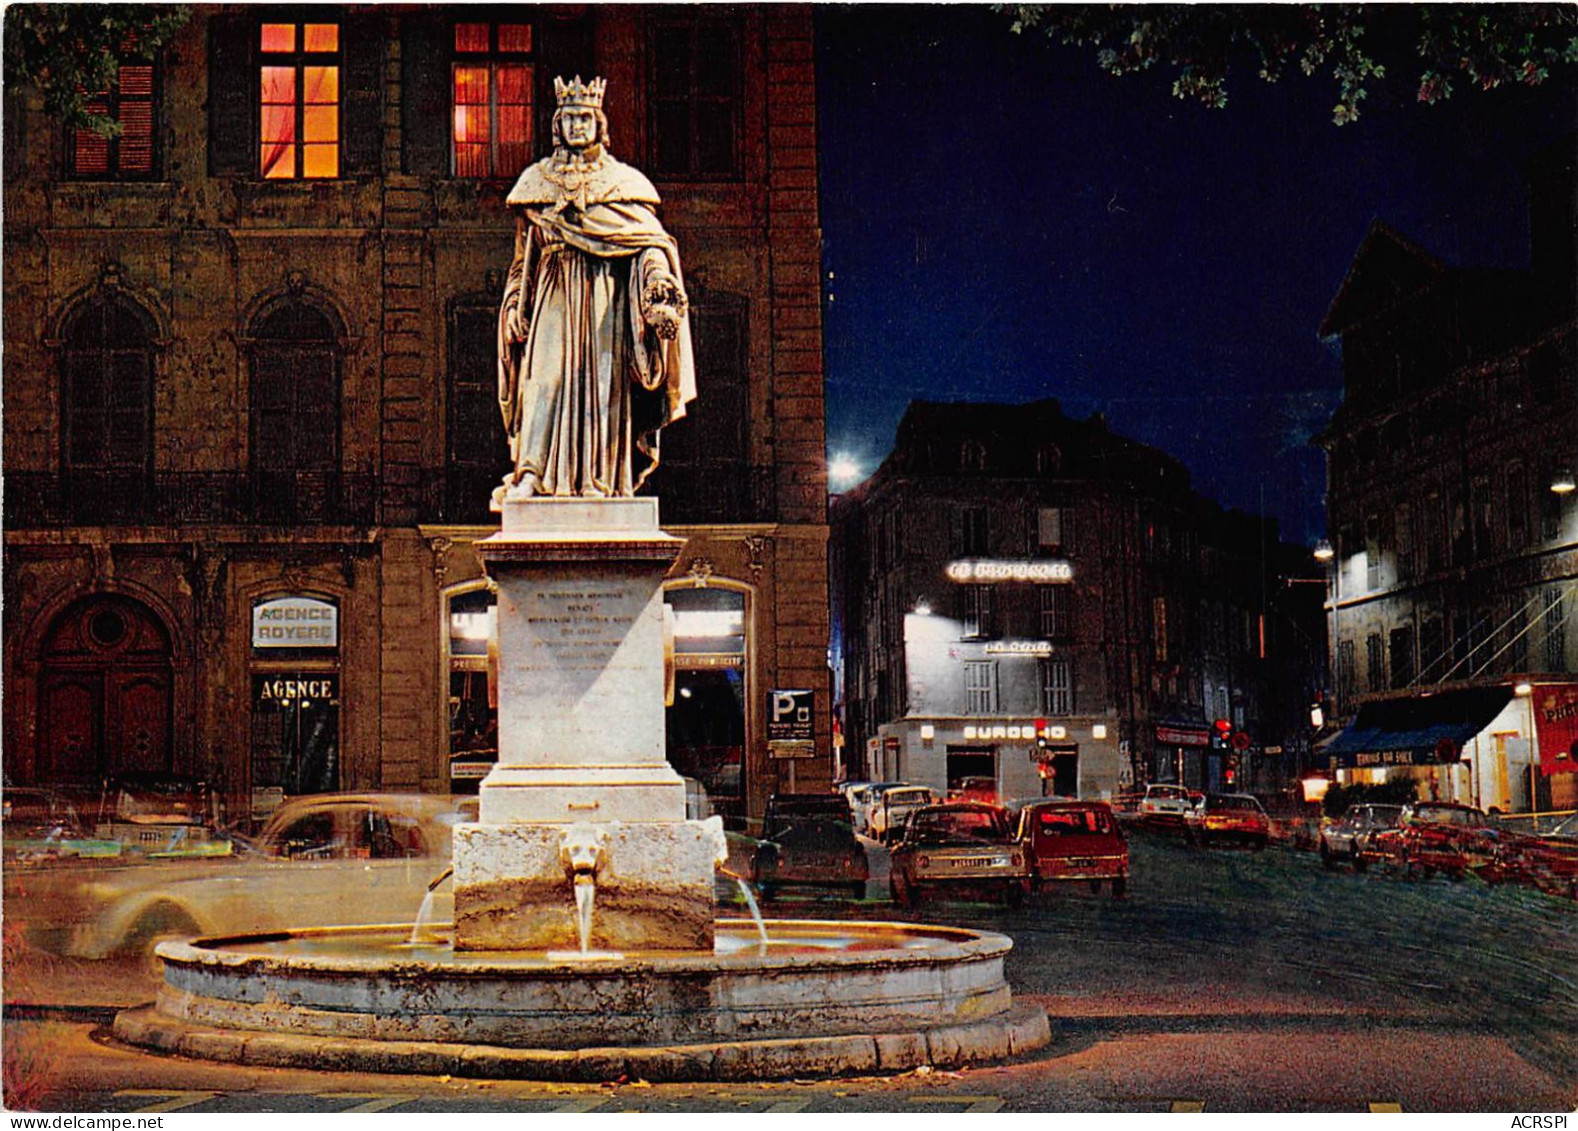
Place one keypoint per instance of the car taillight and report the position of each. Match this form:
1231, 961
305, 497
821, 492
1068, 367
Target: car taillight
923, 861
1017, 860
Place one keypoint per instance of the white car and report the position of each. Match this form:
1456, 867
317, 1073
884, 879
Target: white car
321, 860
1347, 840
893, 808
1165, 804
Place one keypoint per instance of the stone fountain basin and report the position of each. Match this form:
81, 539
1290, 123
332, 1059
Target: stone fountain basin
822, 998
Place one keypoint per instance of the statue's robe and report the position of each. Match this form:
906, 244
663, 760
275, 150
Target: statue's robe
585, 395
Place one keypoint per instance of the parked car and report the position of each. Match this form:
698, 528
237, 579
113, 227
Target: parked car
321, 860
863, 798
960, 849
40, 824
809, 841
1545, 861
980, 789
893, 807
1164, 805
1229, 817
1437, 836
1073, 840
1348, 839
160, 814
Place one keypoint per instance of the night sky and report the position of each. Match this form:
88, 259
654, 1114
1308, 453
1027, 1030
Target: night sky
1004, 221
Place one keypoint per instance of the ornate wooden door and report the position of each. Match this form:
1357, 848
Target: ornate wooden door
105, 693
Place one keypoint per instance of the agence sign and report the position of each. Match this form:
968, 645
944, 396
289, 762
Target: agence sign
295, 622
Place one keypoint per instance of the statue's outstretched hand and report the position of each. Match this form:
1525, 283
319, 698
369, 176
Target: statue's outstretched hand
663, 305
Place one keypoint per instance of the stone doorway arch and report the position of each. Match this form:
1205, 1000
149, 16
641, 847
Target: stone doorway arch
105, 692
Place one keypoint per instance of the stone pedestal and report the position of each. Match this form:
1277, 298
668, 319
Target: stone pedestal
581, 725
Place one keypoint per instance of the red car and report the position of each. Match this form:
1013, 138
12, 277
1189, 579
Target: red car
1437, 836
1074, 840
1545, 861
1229, 816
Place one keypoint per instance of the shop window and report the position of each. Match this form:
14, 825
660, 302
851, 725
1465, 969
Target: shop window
980, 687
295, 414
107, 396
473, 688
478, 452
705, 724
132, 104
491, 85
295, 731
1057, 687
696, 92
299, 100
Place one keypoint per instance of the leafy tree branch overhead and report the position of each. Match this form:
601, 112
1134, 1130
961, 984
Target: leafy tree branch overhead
1434, 47
70, 53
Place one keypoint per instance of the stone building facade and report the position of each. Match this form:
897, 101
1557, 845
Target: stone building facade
1032, 598
250, 416
1454, 585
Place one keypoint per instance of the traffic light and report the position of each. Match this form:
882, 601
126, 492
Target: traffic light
1221, 730
1041, 735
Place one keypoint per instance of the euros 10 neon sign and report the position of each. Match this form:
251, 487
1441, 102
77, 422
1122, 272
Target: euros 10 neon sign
979, 571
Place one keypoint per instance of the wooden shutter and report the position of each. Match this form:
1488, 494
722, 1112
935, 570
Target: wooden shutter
425, 50
362, 41
232, 93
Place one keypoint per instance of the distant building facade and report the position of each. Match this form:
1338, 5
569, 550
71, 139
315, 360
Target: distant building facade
251, 422
1031, 598
1453, 599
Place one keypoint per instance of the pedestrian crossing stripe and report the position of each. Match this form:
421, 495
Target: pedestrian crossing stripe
1188, 1105
174, 1100
973, 1105
1376, 1106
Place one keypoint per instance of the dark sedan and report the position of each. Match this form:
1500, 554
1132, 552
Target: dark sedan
809, 841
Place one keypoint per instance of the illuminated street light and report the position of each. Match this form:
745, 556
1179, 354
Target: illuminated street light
1323, 551
843, 471
1562, 482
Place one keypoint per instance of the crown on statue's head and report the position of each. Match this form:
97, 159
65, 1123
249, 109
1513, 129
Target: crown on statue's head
578, 93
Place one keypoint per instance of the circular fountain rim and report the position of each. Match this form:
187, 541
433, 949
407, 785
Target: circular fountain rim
956, 943
291, 1015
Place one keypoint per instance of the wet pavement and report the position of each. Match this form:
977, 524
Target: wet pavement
1227, 981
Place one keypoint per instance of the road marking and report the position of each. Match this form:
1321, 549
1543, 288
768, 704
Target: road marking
786, 1106
376, 1101
1374, 1106
1188, 1105
574, 1107
973, 1105
175, 1102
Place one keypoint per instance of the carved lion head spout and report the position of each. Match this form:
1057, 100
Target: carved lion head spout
581, 850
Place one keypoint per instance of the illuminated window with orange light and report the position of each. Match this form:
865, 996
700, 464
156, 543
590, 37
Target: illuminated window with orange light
492, 81
130, 154
300, 100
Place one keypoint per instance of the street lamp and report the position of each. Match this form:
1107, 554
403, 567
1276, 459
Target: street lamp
1323, 551
843, 471
1562, 482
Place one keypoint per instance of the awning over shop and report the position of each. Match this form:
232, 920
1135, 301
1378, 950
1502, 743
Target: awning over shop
1420, 730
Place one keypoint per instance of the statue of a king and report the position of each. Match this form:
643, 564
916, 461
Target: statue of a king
594, 335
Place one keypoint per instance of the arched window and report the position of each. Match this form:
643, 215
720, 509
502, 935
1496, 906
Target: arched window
107, 369
295, 400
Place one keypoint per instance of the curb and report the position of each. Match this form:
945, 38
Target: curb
1022, 1028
